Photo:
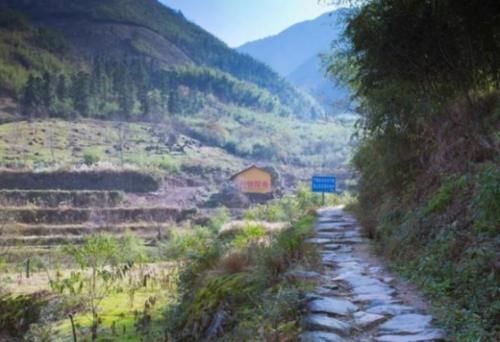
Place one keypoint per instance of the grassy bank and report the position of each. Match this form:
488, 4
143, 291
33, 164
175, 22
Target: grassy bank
246, 283
429, 154
447, 242
240, 286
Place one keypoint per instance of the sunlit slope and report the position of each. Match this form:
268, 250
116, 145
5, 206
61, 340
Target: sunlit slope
124, 30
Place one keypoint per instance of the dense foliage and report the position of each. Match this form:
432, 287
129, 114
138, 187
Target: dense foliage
191, 44
427, 77
238, 283
138, 90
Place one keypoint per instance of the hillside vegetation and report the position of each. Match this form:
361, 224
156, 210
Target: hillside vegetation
201, 140
427, 79
135, 83
125, 52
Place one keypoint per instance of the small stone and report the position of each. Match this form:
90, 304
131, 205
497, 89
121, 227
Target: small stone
346, 249
427, 335
326, 228
331, 286
390, 309
373, 297
333, 306
370, 289
318, 241
319, 336
349, 241
375, 269
346, 235
328, 260
313, 295
332, 247
302, 275
323, 291
356, 280
324, 235
365, 320
407, 324
326, 323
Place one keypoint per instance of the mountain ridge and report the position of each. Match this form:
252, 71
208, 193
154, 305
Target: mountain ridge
295, 54
148, 28
292, 40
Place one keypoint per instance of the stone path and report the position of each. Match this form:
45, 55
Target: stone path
356, 301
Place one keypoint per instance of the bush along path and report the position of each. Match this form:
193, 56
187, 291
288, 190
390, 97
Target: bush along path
356, 299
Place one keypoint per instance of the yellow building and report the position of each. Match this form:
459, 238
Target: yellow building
253, 180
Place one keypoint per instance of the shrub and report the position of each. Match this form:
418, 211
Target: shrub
91, 156
444, 194
99, 258
220, 217
234, 262
487, 199
18, 313
169, 164
250, 234
244, 284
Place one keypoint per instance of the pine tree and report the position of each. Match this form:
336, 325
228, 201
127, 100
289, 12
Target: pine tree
173, 102
80, 93
47, 92
29, 99
126, 99
143, 98
61, 90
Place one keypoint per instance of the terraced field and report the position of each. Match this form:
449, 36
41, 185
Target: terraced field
46, 217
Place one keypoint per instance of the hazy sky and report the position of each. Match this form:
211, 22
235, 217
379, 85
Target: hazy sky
239, 21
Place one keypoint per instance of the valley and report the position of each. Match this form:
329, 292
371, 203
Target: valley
337, 181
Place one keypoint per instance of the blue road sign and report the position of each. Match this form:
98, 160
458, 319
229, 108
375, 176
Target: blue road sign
324, 184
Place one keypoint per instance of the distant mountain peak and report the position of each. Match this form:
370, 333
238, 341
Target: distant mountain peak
295, 54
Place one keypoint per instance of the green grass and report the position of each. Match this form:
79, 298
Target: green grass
464, 292
21, 46
287, 139
447, 245
244, 275
444, 195
117, 311
487, 200
64, 144
248, 266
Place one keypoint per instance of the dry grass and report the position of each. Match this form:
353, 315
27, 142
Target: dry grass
235, 262
18, 283
233, 227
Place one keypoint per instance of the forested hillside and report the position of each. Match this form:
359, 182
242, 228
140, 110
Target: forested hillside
141, 62
428, 80
102, 58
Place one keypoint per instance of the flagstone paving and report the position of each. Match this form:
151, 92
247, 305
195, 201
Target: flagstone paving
355, 299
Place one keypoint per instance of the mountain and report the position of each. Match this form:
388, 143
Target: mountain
71, 35
310, 77
295, 54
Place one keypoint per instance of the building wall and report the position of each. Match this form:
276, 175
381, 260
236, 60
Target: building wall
254, 181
